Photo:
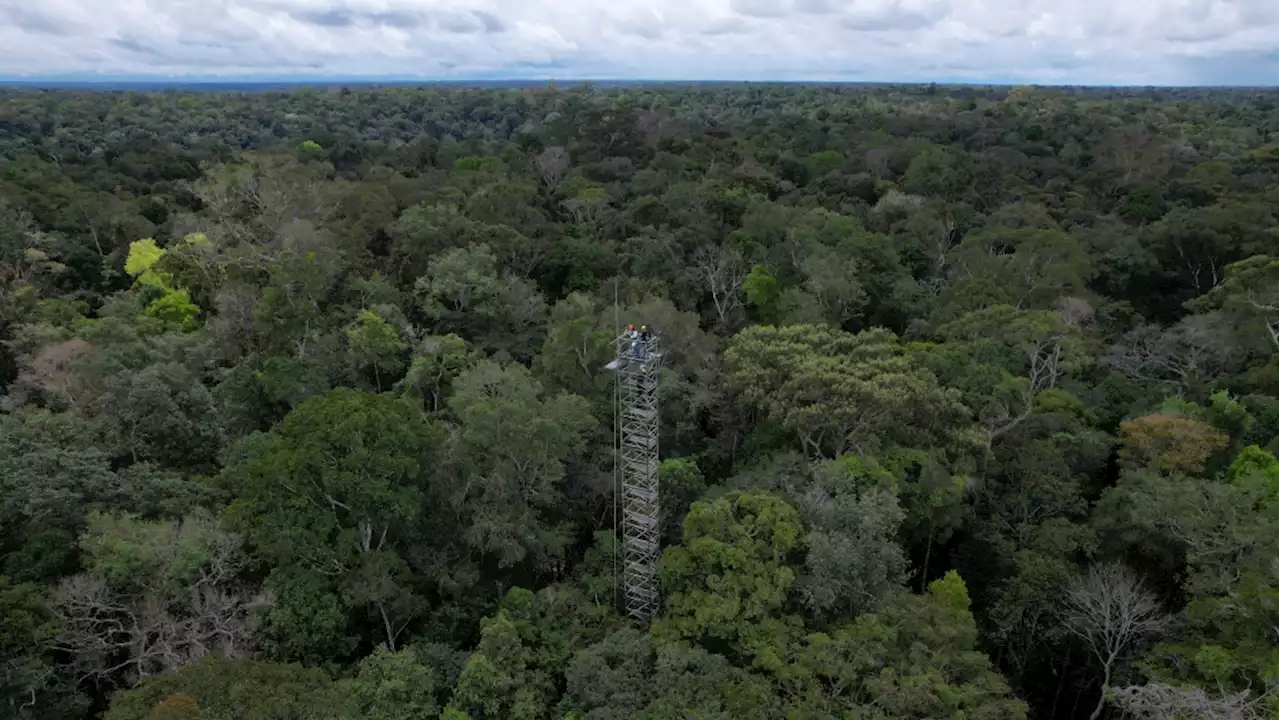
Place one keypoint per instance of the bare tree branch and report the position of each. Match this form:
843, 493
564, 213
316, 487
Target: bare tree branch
1156, 701
1178, 357
1110, 610
116, 636
721, 269
551, 165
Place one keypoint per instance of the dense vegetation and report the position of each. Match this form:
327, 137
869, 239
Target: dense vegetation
969, 410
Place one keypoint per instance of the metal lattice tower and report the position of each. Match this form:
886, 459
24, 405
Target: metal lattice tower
637, 367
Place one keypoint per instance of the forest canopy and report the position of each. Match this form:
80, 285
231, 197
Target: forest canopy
968, 409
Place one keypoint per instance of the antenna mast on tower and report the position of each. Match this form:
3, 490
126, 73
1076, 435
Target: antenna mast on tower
638, 360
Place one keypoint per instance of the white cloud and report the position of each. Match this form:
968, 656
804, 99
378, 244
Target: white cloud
1084, 41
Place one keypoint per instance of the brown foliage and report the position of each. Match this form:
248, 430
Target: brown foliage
178, 706
1169, 443
48, 376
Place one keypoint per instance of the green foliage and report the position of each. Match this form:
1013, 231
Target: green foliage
1222, 535
160, 413
395, 685
938, 172
373, 343
762, 290
29, 684
1143, 204
496, 682
514, 442
309, 150
1248, 299
333, 489
523, 651
854, 560
143, 255
839, 392
932, 499
692, 682
908, 332
597, 574
343, 470
610, 679
1026, 268
237, 689
682, 482
1251, 464
1226, 642
307, 622
851, 515
52, 476
915, 659
145, 571
132, 556
165, 302
49, 474
463, 292
577, 348
727, 584
175, 307
437, 361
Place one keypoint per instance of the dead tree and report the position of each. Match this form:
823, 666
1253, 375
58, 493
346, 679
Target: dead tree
115, 634
721, 269
1176, 358
1156, 701
1110, 610
551, 165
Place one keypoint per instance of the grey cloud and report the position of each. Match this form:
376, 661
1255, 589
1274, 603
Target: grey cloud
894, 17
1259, 12
644, 25
35, 21
1063, 62
469, 22
396, 18
459, 22
345, 17
203, 44
532, 65
136, 46
1161, 42
464, 23
818, 7
492, 23
334, 18
728, 26
643, 30
761, 8
1233, 68
207, 54
1197, 34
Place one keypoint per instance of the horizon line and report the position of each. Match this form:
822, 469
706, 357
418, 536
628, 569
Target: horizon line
52, 81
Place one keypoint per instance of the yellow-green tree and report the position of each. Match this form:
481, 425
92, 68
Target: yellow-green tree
163, 300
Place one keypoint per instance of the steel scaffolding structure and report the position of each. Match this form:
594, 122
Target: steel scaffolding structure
637, 364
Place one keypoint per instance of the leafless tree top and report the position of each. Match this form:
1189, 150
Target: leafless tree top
1109, 609
1156, 701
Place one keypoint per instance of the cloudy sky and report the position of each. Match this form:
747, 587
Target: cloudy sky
1179, 42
